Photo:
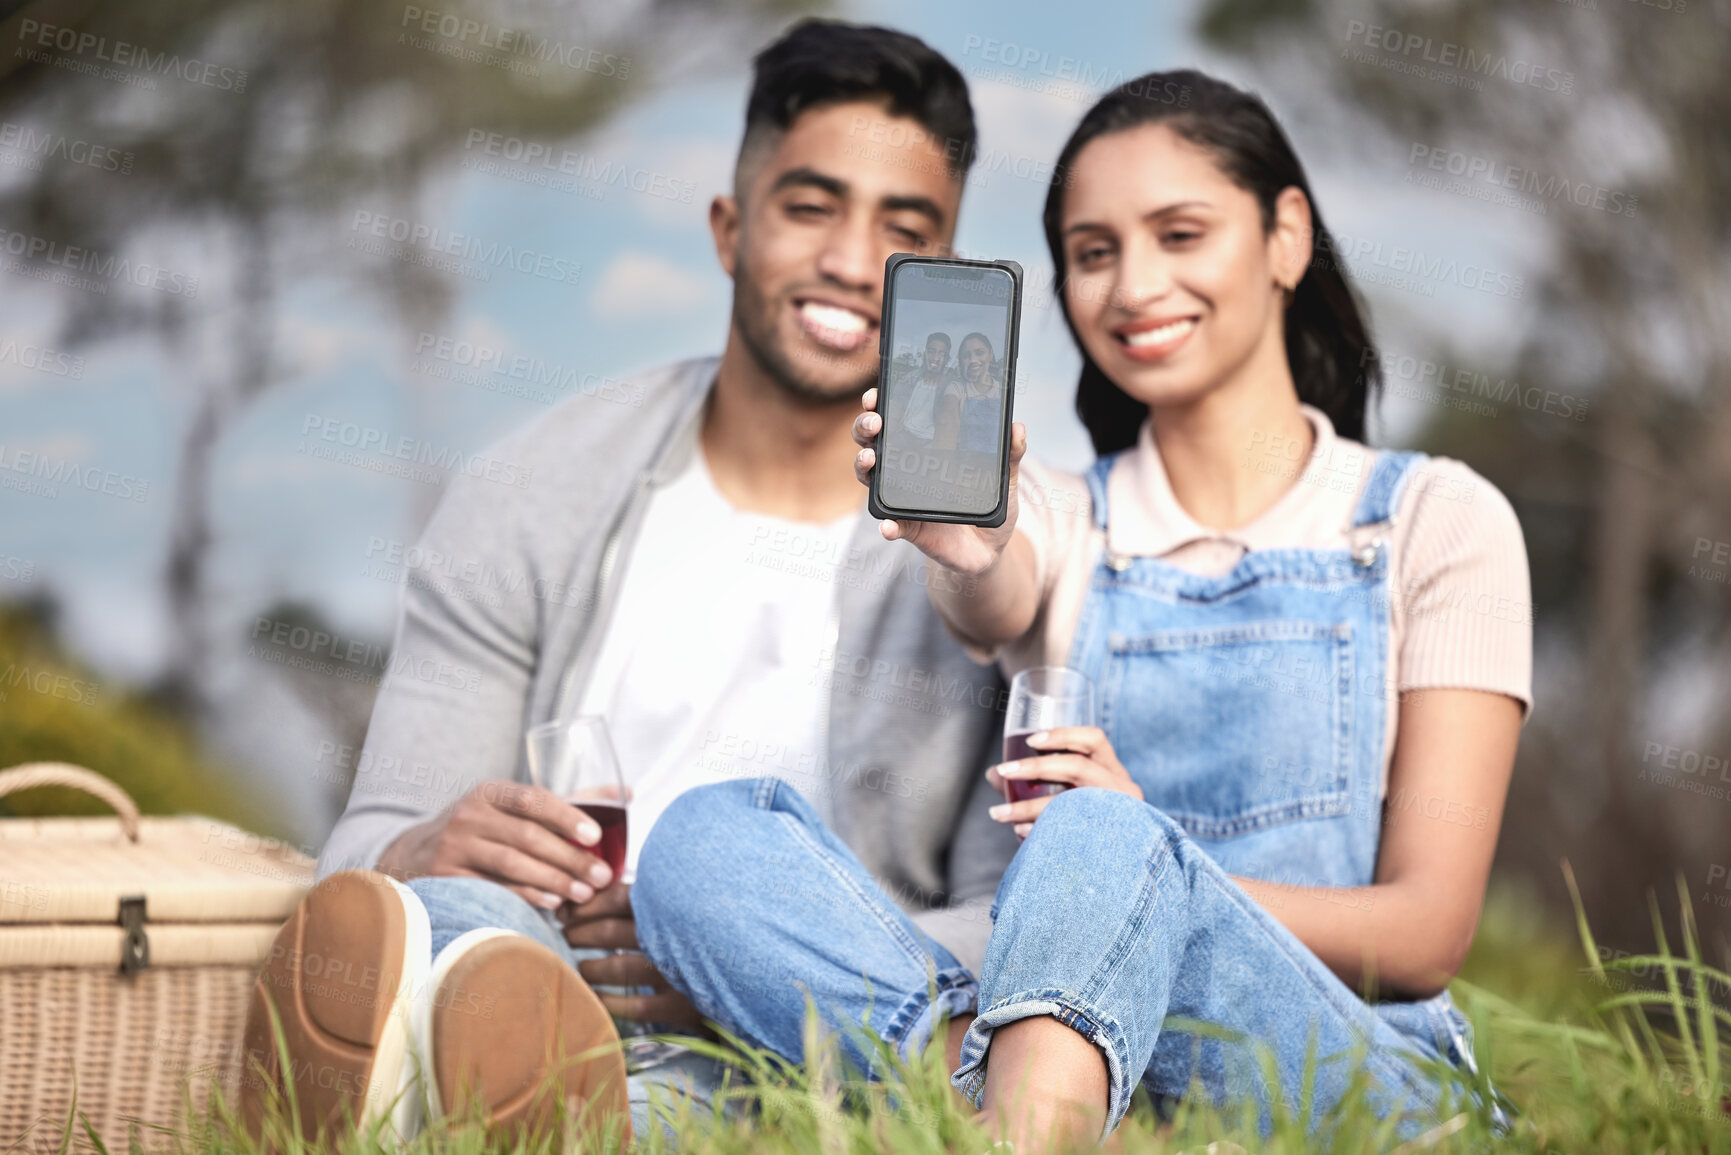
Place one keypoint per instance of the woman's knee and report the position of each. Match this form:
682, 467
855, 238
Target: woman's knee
1093, 814
1087, 830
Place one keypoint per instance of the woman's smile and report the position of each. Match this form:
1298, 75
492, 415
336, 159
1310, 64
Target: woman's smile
1153, 339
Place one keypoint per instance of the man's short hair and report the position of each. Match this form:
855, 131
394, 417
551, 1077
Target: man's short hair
822, 62
944, 337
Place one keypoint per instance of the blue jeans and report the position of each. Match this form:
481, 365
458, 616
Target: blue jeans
1110, 919
457, 905
747, 903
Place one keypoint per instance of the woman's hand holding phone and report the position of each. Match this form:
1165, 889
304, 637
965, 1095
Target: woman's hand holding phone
1080, 756
966, 549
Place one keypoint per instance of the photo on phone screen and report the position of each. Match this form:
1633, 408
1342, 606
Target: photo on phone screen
945, 387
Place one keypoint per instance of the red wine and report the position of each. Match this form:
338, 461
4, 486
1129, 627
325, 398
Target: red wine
610, 817
1021, 789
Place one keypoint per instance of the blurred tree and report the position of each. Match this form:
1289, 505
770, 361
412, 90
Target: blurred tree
253, 128
1609, 97
52, 709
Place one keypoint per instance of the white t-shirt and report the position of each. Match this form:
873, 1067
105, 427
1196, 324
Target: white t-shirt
919, 415
712, 665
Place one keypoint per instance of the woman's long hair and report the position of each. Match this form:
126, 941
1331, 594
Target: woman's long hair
1327, 340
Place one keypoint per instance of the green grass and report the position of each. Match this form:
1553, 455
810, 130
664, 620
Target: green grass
1591, 1063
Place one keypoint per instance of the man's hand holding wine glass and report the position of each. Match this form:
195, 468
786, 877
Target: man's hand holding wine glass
523, 837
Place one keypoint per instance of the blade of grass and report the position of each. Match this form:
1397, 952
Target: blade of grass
71, 1117
90, 1130
1678, 1010
1707, 1021
1592, 948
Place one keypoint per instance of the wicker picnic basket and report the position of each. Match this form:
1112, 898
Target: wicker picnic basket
128, 948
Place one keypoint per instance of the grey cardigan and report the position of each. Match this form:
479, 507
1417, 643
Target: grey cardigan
504, 600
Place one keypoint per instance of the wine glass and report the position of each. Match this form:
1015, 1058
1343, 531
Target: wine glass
1042, 698
574, 759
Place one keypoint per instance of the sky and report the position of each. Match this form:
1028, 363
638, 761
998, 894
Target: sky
640, 286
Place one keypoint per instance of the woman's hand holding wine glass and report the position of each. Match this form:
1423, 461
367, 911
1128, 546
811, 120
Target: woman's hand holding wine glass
1081, 756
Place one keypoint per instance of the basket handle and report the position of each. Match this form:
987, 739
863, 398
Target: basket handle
30, 775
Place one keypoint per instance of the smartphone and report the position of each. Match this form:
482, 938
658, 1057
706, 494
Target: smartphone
946, 379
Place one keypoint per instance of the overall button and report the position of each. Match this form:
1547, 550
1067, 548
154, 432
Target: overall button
1118, 562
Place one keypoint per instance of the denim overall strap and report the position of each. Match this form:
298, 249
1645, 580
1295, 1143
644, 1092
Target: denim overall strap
1382, 491
1096, 478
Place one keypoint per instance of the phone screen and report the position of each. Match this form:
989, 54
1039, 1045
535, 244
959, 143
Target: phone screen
942, 394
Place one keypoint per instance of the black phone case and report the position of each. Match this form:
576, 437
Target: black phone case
874, 499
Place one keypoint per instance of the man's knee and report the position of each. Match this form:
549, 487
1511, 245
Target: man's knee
699, 816
694, 839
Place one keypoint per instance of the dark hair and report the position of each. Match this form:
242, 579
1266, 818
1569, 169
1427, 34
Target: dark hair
1327, 340
819, 62
944, 337
984, 340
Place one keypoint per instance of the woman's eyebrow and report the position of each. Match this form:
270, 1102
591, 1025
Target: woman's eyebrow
1163, 210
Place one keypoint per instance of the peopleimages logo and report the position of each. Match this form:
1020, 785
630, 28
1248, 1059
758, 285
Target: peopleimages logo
1366, 258
479, 36
1545, 186
59, 146
286, 643
43, 360
464, 247
580, 166
1066, 75
1413, 49
393, 448
77, 259
42, 474
127, 55
492, 368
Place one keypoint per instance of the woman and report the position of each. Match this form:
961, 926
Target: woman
973, 406
1308, 725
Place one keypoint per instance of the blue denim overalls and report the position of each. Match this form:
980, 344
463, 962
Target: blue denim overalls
1250, 706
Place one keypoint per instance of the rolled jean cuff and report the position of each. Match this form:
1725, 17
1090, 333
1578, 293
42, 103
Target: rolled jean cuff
910, 1028
1101, 1030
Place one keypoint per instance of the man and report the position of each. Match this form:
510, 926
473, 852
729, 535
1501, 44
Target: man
923, 385
699, 570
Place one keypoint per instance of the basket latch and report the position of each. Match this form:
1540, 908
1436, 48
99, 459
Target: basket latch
135, 950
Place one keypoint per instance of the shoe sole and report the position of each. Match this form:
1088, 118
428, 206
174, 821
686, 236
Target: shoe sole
342, 975
508, 1034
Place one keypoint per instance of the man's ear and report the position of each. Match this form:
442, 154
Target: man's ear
724, 227
1291, 241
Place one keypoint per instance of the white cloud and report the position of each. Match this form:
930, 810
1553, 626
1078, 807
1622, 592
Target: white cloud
314, 345
1023, 122
639, 285
72, 446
